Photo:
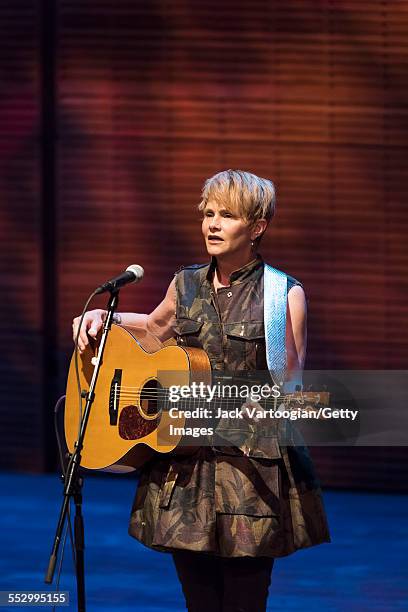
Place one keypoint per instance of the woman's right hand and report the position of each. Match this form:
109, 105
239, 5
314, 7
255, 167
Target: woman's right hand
92, 323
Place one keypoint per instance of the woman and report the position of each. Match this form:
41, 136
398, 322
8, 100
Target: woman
225, 512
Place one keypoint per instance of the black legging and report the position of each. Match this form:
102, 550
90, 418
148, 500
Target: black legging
216, 584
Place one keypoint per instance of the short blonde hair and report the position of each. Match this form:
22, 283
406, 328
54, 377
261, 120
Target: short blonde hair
244, 194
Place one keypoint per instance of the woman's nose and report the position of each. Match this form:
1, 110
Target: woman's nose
215, 223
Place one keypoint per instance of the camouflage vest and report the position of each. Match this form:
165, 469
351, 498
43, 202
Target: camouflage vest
227, 324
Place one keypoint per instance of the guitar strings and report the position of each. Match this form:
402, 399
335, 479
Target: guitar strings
166, 396
204, 398
196, 402
164, 389
127, 389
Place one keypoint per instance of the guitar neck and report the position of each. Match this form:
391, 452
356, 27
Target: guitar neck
234, 403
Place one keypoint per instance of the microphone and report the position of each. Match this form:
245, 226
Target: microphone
132, 274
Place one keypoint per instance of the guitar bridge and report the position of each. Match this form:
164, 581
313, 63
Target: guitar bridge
114, 397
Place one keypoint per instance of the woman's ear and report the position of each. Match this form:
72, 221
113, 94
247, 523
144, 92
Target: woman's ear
258, 228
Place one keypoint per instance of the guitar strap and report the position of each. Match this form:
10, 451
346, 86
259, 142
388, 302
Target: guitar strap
275, 299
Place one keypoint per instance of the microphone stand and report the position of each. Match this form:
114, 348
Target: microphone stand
73, 481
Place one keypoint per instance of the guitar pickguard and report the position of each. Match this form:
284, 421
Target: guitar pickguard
132, 425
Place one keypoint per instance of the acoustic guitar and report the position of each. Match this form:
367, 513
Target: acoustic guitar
130, 419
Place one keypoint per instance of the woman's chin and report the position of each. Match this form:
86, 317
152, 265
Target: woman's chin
215, 249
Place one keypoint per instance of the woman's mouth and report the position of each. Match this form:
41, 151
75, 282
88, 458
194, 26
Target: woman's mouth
215, 239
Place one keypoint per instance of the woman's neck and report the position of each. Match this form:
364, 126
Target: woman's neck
224, 269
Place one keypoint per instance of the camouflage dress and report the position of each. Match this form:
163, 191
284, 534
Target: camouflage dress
255, 499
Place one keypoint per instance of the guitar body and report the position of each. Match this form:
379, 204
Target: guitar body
129, 420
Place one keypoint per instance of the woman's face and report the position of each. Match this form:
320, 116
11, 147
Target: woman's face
226, 234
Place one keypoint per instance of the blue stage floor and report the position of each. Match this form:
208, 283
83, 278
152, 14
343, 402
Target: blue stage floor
365, 568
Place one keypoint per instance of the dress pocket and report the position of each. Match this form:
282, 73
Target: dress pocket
243, 338
245, 330
188, 331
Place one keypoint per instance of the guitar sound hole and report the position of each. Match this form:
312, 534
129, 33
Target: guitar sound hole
150, 404
136, 422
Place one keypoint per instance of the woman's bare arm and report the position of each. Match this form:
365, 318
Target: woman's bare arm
159, 322
296, 334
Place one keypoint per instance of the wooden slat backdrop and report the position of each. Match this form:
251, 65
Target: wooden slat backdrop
21, 415
153, 97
